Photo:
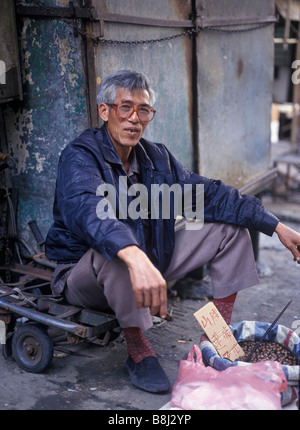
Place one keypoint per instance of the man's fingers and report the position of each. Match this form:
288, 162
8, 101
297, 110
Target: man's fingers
297, 257
297, 254
149, 286
155, 298
139, 299
147, 302
290, 239
163, 301
159, 300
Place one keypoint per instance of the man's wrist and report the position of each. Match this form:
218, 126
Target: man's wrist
129, 254
279, 228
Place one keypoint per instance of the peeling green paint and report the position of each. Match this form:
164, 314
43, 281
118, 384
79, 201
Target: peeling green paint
19, 128
52, 113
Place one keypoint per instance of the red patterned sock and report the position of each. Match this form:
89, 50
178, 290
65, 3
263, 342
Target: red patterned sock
138, 346
225, 306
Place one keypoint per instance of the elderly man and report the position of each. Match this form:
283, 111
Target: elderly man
108, 260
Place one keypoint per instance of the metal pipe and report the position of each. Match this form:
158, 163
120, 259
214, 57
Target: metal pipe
48, 320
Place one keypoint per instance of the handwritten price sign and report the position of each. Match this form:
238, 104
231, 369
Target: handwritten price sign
218, 332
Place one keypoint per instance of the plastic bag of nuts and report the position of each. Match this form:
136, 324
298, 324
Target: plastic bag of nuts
253, 331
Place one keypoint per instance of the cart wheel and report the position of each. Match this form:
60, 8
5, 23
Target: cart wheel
32, 347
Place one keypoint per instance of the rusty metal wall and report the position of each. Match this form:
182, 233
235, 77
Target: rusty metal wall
235, 75
168, 64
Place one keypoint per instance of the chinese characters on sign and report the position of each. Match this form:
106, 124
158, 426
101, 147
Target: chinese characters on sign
218, 332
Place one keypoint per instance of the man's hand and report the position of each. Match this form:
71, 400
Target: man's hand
148, 284
290, 239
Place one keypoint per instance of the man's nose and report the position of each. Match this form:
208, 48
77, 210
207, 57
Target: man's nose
134, 116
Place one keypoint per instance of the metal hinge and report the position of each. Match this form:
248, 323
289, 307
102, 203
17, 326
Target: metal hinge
64, 13
71, 12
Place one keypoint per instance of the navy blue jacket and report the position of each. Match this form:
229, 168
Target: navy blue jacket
91, 160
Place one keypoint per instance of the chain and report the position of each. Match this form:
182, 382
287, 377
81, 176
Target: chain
240, 30
193, 32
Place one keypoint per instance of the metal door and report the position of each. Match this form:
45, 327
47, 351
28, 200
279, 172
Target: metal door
235, 76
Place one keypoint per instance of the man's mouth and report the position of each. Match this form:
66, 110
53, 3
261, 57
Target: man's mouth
132, 130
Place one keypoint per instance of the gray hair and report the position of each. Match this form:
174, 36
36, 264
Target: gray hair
107, 90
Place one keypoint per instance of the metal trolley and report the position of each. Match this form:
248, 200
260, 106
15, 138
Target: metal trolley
33, 325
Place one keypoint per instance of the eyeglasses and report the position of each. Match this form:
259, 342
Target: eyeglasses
125, 111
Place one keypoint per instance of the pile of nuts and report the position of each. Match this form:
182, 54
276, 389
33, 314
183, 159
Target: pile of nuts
268, 351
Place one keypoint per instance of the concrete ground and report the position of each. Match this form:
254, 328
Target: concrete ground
94, 378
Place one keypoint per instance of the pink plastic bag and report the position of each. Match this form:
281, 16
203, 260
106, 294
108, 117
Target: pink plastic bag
254, 386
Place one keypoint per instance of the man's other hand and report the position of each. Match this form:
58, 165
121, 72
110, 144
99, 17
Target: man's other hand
290, 239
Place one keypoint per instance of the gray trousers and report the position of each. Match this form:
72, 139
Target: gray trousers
97, 283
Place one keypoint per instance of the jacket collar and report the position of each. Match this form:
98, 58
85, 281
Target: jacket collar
110, 154
106, 146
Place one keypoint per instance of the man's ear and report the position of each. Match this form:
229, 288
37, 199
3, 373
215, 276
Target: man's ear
103, 110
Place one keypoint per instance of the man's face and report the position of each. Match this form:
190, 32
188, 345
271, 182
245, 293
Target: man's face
125, 133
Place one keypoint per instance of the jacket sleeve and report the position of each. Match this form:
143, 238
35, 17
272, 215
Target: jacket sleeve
224, 203
77, 199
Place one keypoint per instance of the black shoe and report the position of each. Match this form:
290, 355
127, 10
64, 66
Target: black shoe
148, 375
